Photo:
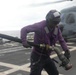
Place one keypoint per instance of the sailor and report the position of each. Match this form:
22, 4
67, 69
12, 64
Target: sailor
46, 32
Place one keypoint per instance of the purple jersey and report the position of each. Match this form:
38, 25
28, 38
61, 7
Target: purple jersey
43, 35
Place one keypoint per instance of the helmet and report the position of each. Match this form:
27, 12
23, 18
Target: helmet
53, 17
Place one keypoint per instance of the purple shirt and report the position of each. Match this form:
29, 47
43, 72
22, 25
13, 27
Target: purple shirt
43, 35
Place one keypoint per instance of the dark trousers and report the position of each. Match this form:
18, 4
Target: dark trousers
40, 62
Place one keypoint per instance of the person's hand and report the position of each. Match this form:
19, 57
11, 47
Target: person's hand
67, 54
25, 44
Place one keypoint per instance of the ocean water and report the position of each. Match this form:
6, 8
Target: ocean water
14, 33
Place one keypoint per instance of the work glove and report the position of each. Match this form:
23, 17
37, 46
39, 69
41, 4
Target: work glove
25, 44
67, 54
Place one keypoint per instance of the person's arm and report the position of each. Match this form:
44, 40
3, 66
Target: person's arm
27, 29
62, 41
63, 45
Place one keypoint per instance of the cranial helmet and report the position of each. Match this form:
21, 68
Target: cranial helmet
53, 17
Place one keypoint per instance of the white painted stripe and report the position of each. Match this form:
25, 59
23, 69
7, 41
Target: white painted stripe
11, 50
8, 65
27, 53
10, 71
14, 49
70, 43
2, 73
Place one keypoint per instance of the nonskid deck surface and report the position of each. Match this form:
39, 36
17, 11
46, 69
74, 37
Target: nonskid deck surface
15, 60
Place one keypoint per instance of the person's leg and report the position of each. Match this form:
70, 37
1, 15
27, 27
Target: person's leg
36, 65
50, 67
35, 70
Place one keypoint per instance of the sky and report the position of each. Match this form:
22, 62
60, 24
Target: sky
15, 14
